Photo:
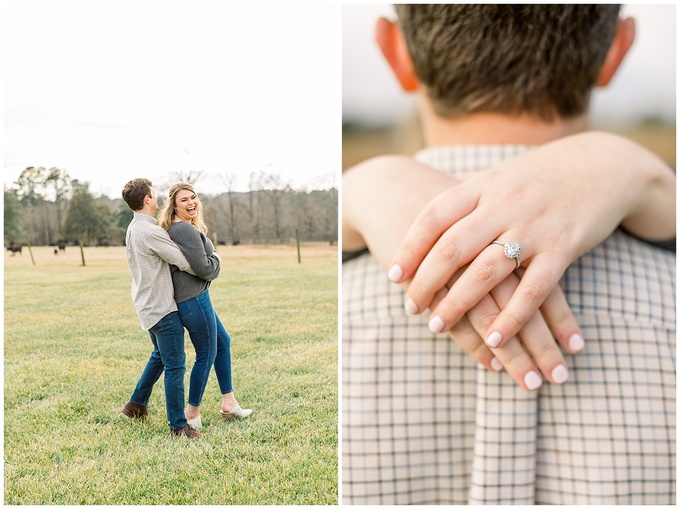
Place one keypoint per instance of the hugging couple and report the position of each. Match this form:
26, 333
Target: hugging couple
172, 264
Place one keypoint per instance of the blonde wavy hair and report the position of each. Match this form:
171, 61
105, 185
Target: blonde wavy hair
167, 214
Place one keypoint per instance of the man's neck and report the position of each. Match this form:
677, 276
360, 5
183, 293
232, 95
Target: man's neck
494, 128
145, 211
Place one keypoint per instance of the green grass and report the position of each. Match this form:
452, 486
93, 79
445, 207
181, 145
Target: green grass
74, 351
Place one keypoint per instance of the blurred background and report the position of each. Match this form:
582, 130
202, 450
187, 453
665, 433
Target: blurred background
378, 117
240, 99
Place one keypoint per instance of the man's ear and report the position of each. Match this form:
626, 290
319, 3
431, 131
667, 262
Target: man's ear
625, 35
393, 46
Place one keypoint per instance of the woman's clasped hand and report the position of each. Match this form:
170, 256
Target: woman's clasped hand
556, 209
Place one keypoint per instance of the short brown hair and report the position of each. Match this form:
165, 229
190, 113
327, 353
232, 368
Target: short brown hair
135, 191
542, 60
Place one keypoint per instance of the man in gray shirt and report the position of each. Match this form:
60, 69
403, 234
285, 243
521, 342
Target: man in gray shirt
149, 253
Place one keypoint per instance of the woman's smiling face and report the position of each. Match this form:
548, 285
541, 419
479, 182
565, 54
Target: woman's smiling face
186, 205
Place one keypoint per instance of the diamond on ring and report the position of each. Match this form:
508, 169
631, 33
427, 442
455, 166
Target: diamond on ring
511, 249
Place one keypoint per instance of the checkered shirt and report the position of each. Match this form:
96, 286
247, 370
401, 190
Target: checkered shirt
422, 423
149, 251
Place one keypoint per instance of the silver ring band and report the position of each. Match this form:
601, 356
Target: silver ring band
511, 249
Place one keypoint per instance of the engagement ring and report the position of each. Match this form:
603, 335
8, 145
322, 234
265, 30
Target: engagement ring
511, 249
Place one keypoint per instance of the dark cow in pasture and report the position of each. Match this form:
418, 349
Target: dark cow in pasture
62, 245
14, 249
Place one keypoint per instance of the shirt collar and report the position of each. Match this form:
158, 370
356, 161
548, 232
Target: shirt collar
140, 216
461, 160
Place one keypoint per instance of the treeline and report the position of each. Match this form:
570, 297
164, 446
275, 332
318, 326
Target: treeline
47, 207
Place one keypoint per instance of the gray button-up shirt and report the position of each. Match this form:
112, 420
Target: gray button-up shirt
149, 253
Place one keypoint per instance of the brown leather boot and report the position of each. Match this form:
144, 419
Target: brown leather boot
186, 431
135, 411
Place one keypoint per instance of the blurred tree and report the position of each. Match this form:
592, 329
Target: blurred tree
123, 216
254, 187
188, 176
229, 180
332, 215
85, 220
60, 183
43, 194
28, 184
14, 229
276, 189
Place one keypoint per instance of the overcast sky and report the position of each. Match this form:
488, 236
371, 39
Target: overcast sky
645, 84
114, 91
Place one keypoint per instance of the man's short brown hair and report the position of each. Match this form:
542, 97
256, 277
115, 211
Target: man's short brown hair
542, 60
135, 191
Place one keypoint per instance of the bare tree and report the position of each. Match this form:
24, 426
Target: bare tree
332, 215
60, 182
229, 180
254, 187
276, 188
188, 176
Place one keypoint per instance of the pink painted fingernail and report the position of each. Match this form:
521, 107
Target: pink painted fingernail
532, 380
560, 374
436, 324
411, 307
576, 342
494, 339
496, 364
395, 274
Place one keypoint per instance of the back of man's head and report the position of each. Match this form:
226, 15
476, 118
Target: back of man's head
135, 191
541, 60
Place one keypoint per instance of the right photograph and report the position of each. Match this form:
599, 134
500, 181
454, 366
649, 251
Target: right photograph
508, 255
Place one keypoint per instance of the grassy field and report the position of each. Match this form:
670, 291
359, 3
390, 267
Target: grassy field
74, 351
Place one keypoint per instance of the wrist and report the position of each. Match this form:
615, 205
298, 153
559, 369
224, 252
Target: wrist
653, 216
645, 182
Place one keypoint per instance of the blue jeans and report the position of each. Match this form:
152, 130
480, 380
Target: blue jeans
212, 344
167, 337
223, 359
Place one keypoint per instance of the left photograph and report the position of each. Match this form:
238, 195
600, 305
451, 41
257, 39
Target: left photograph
171, 179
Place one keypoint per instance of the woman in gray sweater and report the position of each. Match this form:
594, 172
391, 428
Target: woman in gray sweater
182, 217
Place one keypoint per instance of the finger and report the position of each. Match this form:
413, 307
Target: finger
467, 337
517, 362
443, 211
413, 309
538, 281
438, 297
562, 321
541, 345
481, 275
467, 333
447, 256
513, 356
535, 336
471, 342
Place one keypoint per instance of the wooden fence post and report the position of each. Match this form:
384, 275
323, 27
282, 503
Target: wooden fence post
82, 254
297, 239
31, 252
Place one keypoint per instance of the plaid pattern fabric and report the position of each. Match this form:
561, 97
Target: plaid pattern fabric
423, 424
